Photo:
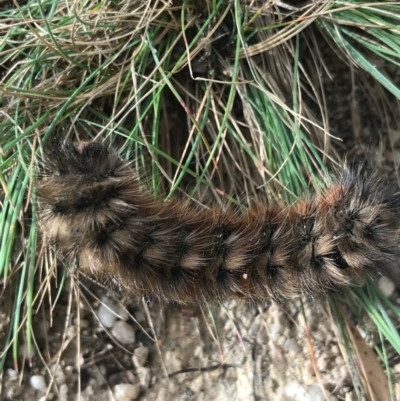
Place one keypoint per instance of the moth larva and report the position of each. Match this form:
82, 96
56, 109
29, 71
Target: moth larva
93, 208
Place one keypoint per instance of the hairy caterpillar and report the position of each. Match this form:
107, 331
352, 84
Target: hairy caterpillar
93, 208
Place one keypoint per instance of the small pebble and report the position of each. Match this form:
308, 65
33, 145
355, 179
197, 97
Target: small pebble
123, 332
196, 384
274, 330
12, 374
322, 363
396, 368
295, 391
63, 392
107, 312
386, 286
140, 356
174, 358
38, 383
335, 349
362, 332
315, 393
291, 345
58, 374
126, 392
144, 375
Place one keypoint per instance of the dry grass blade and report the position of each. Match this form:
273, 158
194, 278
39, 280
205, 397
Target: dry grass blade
372, 374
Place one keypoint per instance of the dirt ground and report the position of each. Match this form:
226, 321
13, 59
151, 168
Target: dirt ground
227, 352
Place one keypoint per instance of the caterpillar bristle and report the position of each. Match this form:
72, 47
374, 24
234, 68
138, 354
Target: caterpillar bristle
93, 208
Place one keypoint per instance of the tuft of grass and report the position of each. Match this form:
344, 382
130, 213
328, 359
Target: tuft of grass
228, 97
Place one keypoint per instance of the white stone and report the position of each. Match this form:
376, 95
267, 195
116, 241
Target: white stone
295, 391
38, 383
174, 358
63, 392
144, 375
291, 345
126, 392
396, 368
12, 374
107, 312
123, 332
107, 317
363, 333
315, 393
140, 356
58, 374
386, 286
274, 330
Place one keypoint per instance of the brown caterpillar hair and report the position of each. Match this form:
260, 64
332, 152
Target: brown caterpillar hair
93, 208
